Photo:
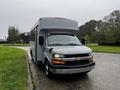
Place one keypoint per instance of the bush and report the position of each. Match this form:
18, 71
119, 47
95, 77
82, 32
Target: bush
109, 43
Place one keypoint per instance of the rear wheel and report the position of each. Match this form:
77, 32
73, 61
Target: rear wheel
31, 54
32, 57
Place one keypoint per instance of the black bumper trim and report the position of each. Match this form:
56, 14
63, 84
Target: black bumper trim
70, 67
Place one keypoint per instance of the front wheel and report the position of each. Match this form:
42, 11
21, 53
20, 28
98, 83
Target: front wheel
47, 71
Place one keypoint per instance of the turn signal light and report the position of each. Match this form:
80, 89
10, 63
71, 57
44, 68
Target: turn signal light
91, 58
58, 62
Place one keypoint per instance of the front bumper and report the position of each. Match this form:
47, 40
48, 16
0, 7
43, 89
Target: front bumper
61, 69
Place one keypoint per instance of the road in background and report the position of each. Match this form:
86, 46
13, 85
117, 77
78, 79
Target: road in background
105, 76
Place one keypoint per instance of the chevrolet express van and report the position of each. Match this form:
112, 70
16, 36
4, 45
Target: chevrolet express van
54, 44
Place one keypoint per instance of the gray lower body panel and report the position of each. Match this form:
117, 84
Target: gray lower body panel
72, 70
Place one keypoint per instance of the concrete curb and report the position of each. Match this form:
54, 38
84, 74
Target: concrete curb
30, 81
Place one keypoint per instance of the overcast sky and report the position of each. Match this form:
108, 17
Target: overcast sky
24, 13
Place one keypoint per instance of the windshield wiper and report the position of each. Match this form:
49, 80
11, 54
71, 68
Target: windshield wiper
56, 44
73, 44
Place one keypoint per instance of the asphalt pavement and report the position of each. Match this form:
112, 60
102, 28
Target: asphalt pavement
105, 76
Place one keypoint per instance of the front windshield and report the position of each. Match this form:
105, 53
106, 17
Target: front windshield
63, 40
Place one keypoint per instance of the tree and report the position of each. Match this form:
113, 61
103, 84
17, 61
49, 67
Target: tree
110, 27
105, 32
25, 37
13, 35
86, 31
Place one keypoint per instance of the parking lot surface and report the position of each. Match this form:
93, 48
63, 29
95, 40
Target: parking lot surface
105, 76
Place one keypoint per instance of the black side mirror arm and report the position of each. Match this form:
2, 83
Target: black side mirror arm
50, 50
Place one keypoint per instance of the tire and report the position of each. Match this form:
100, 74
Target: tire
31, 55
47, 71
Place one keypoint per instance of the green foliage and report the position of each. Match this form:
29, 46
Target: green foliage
86, 31
111, 28
106, 31
88, 28
18, 44
87, 38
13, 69
13, 35
24, 37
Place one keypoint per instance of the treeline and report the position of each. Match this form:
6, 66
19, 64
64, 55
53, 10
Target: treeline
14, 36
103, 32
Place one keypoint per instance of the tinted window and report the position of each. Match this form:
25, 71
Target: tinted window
32, 35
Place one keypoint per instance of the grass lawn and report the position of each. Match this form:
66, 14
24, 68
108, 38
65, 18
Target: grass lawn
15, 44
13, 69
106, 49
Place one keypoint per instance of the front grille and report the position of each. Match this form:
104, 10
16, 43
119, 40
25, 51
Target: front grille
80, 62
76, 55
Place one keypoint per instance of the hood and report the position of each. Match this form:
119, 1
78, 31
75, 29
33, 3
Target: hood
71, 49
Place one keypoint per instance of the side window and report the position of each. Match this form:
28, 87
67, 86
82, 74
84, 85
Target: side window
32, 36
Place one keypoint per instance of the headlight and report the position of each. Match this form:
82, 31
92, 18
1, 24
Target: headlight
91, 54
58, 56
57, 59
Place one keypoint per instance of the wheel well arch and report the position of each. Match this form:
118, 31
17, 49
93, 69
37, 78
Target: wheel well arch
46, 60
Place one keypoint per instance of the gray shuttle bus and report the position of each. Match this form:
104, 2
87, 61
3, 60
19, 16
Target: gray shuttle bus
55, 45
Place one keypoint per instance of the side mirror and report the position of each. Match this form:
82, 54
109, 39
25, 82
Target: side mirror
50, 50
41, 40
83, 41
